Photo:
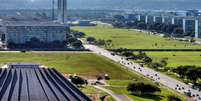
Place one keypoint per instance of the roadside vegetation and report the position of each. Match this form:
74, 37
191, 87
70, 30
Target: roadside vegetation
168, 62
190, 74
121, 87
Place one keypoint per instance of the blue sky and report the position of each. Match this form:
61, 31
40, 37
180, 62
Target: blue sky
91, 4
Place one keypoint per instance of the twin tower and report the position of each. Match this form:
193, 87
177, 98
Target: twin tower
62, 11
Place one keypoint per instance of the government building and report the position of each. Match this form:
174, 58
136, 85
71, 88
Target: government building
22, 32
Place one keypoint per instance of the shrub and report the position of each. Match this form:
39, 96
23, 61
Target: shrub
173, 98
142, 88
78, 81
91, 39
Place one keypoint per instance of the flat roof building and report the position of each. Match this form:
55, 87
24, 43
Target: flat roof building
22, 32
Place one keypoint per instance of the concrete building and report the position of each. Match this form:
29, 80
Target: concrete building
131, 17
142, 18
178, 21
62, 11
168, 20
192, 13
150, 19
158, 19
198, 28
22, 32
189, 25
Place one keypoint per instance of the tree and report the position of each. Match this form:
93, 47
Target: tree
108, 43
78, 80
91, 39
155, 65
178, 32
164, 62
127, 53
71, 39
80, 34
142, 55
141, 25
77, 34
77, 44
142, 88
147, 60
192, 74
173, 98
192, 40
100, 42
181, 70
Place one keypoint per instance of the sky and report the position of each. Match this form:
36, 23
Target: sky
104, 4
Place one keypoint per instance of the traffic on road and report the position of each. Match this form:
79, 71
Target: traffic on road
154, 75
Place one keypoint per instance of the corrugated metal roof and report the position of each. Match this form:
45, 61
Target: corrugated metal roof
31, 83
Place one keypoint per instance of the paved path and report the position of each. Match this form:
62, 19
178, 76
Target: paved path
156, 76
117, 97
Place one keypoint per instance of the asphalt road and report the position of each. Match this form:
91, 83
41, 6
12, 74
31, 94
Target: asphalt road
156, 76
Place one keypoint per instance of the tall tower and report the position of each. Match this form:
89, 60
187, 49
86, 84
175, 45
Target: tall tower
62, 11
53, 10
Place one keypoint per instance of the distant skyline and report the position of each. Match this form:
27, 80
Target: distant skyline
105, 4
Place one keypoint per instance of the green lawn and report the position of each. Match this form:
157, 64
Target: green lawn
91, 91
177, 58
117, 87
86, 64
125, 38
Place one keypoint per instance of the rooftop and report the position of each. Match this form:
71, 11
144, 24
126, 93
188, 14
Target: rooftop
32, 23
29, 82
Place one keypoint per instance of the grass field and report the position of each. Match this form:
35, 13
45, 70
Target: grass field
91, 91
86, 64
117, 87
125, 38
177, 58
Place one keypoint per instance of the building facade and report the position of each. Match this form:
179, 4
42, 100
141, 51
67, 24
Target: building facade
150, 19
178, 21
189, 25
198, 29
21, 33
168, 20
158, 19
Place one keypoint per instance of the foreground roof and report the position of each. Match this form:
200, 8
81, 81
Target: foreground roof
31, 83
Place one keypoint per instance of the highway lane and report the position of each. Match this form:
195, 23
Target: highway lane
156, 76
